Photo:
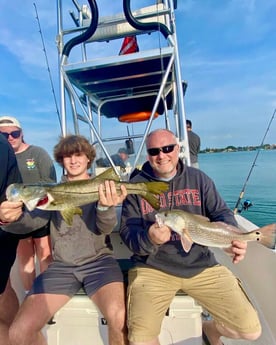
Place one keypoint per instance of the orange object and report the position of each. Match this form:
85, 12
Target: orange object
136, 117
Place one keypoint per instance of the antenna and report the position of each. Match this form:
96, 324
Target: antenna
47, 63
253, 164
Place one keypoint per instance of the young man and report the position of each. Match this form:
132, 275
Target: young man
162, 265
36, 166
82, 257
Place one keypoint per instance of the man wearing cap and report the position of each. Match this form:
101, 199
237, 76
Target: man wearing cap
120, 157
35, 166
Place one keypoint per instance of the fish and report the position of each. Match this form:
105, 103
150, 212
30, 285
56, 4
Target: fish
67, 197
198, 229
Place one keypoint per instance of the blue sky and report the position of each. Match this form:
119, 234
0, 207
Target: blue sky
228, 57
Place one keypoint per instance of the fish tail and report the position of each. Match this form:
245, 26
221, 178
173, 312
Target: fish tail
268, 236
152, 189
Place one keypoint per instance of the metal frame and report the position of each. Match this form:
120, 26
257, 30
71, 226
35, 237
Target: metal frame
105, 87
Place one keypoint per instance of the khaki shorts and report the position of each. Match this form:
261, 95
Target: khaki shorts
216, 289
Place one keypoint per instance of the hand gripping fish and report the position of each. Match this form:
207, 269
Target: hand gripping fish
195, 228
68, 196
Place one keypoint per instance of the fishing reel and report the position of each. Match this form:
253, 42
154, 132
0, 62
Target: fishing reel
246, 205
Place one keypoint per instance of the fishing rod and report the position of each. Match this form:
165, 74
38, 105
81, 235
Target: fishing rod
247, 203
47, 64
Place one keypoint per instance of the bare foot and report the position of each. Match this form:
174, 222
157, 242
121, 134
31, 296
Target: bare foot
211, 332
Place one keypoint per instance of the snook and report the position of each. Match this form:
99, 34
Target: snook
195, 228
68, 196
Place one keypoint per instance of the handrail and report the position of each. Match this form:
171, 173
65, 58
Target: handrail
152, 26
88, 33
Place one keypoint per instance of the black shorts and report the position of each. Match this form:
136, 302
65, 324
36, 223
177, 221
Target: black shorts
42, 232
8, 246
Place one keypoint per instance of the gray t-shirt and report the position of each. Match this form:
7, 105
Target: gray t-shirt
36, 166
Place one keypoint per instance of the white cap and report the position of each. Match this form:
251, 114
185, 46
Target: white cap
6, 121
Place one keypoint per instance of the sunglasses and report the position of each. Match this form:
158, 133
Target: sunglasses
14, 134
165, 149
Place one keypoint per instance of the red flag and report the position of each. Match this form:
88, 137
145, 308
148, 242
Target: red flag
129, 45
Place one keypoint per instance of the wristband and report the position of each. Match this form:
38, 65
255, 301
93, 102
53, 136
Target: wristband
102, 208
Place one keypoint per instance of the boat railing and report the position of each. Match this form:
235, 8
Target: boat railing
117, 26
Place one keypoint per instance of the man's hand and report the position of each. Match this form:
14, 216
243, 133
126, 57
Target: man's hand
10, 211
237, 251
159, 234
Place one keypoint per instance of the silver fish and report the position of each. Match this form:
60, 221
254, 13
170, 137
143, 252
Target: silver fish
198, 229
67, 197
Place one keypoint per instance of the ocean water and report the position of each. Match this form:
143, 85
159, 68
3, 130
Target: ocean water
230, 170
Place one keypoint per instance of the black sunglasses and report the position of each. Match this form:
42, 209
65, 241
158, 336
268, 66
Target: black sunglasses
165, 149
14, 134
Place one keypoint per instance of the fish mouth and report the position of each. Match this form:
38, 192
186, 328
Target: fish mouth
42, 201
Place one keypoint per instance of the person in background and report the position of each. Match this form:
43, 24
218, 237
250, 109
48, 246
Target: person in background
35, 166
10, 212
118, 158
194, 144
163, 267
82, 257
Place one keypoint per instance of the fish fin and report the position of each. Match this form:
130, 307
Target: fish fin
109, 174
159, 220
186, 242
69, 213
267, 236
152, 190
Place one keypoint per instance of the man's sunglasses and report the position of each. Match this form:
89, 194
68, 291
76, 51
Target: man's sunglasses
14, 134
165, 149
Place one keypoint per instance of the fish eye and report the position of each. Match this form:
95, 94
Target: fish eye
14, 193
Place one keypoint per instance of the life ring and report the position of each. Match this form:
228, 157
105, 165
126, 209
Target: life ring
136, 117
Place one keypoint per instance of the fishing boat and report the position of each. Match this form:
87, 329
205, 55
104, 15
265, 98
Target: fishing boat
132, 90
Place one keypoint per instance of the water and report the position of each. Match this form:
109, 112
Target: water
229, 170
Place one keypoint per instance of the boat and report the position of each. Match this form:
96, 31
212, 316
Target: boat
129, 93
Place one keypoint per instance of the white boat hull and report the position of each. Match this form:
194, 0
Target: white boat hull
258, 275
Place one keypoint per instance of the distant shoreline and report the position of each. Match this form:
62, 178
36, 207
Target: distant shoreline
239, 148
